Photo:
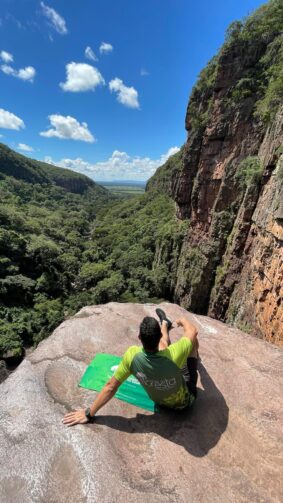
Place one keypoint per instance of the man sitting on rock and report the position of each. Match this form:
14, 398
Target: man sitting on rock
168, 372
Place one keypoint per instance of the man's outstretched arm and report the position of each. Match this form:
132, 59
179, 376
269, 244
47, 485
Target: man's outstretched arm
79, 417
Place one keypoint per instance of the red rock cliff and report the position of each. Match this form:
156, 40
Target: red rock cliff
230, 183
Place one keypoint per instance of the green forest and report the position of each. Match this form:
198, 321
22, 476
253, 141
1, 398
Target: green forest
66, 242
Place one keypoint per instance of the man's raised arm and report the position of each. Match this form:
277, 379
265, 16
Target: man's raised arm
190, 331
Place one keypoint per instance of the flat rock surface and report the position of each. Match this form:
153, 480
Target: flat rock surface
227, 448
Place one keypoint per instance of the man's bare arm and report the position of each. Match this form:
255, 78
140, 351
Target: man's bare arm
190, 331
105, 395
79, 417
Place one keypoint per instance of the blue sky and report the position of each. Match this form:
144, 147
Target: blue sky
114, 110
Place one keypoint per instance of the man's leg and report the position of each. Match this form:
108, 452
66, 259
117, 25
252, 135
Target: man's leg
189, 371
166, 325
165, 339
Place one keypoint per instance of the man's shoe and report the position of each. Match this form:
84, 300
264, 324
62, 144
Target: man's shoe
162, 317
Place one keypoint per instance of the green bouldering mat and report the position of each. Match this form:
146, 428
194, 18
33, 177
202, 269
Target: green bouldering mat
102, 368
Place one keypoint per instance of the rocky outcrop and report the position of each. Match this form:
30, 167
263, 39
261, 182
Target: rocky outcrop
230, 185
250, 290
227, 448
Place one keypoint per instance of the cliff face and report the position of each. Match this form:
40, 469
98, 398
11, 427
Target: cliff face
250, 290
230, 184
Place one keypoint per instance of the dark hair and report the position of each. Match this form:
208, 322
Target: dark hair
150, 333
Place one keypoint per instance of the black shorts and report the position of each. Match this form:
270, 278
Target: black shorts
190, 375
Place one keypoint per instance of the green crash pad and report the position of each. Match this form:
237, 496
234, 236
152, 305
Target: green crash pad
102, 368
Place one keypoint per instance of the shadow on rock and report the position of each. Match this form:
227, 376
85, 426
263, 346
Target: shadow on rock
197, 429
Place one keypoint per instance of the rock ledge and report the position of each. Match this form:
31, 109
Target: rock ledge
226, 449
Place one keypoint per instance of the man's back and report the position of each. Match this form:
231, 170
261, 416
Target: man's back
159, 372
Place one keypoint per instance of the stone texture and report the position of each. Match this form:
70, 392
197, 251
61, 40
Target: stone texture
227, 448
251, 291
3, 371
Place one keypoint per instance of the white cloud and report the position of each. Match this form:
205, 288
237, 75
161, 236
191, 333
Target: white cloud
171, 151
128, 96
6, 56
27, 73
68, 128
81, 77
25, 147
56, 21
7, 69
105, 48
89, 54
120, 166
144, 72
8, 120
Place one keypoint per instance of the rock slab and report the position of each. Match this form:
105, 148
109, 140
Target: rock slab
227, 448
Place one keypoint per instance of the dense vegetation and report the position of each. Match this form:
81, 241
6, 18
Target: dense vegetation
43, 229
118, 260
166, 174
61, 250
31, 171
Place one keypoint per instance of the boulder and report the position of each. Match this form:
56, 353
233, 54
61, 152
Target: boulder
226, 448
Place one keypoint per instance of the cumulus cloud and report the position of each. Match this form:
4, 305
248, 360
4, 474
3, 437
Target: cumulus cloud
55, 20
7, 69
89, 54
81, 77
128, 96
25, 147
120, 166
8, 120
105, 48
6, 56
27, 73
68, 128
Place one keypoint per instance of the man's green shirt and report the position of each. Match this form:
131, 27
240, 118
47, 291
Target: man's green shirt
159, 372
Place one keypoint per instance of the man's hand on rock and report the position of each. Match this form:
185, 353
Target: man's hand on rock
180, 322
75, 417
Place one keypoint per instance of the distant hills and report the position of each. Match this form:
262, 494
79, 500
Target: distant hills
32, 171
128, 183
